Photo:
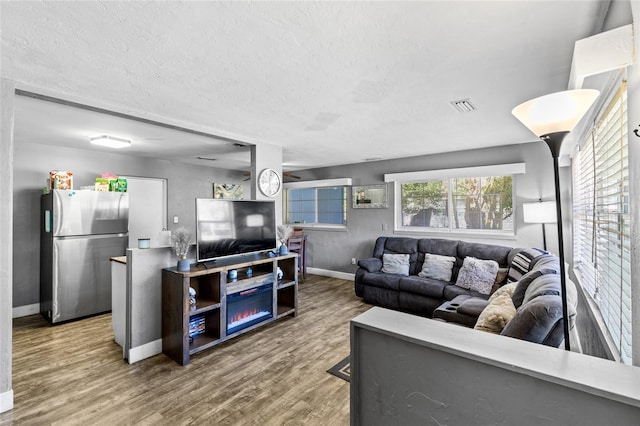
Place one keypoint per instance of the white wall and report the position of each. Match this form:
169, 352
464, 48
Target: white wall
6, 232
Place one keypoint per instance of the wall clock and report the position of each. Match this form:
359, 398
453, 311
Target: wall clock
269, 182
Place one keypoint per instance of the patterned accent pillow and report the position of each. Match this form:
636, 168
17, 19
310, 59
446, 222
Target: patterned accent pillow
477, 274
437, 267
521, 262
395, 263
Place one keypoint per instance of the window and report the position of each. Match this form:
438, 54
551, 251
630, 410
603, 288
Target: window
326, 206
456, 204
602, 221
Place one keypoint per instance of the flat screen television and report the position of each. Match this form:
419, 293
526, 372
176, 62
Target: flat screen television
234, 227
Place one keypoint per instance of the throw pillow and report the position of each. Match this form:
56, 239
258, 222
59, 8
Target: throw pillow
501, 278
505, 289
496, 315
437, 267
521, 262
395, 264
477, 274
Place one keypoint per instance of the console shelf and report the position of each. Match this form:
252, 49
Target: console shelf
213, 284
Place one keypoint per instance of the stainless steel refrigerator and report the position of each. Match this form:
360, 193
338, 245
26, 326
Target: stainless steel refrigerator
81, 231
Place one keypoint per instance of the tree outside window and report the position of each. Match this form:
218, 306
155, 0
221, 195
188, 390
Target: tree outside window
474, 203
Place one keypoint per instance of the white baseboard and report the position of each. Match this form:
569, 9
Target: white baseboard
25, 310
144, 351
6, 401
331, 274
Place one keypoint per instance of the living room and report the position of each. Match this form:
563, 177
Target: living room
331, 248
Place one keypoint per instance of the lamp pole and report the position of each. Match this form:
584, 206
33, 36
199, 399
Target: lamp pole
554, 142
551, 118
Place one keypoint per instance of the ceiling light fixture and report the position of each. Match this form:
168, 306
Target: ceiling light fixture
551, 118
110, 141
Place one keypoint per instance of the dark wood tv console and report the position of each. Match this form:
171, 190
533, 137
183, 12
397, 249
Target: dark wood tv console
213, 284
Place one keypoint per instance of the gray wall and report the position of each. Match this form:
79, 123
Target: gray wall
333, 250
32, 163
408, 370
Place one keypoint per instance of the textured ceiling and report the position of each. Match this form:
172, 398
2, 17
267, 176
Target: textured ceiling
331, 82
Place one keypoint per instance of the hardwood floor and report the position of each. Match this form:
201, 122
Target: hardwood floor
276, 375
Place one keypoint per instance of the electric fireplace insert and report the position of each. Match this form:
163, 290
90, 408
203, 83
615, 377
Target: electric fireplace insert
249, 307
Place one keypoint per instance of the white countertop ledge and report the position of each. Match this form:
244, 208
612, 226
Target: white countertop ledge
600, 377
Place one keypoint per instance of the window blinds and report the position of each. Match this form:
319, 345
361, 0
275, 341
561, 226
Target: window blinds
602, 220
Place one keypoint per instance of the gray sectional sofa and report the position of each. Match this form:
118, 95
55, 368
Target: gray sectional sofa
533, 275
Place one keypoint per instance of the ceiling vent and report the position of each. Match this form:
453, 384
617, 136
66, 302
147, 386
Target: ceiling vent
464, 105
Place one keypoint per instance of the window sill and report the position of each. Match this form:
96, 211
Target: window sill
319, 227
458, 234
602, 333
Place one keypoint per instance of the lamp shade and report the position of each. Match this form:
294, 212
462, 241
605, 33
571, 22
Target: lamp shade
540, 212
556, 112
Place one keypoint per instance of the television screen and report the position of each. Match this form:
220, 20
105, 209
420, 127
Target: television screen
234, 227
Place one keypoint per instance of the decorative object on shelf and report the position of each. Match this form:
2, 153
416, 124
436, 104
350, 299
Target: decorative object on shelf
280, 274
551, 118
231, 191
233, 274
180, 243
192, 297
369, 196
144, 243
249, 272
269, 182
283, 232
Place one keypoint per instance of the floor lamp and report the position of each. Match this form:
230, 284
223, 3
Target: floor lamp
551, 118
540, 212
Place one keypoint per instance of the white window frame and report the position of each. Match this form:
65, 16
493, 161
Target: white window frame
316, 184
592, 275
445, 174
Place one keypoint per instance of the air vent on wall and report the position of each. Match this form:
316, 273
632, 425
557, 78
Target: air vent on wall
464, 105
206, 158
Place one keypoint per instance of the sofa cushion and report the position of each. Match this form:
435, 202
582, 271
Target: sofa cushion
424, 286
524, 282
472, 306
521, 263
382, 280
438, 246
477, 274
452, 291
484, 251
539, 321
544, 285
395, 263
437, 267
497, 314
371, 265
448, 311
546, 261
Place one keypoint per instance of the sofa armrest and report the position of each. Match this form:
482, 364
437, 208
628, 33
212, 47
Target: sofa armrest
372, 264
473, 306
